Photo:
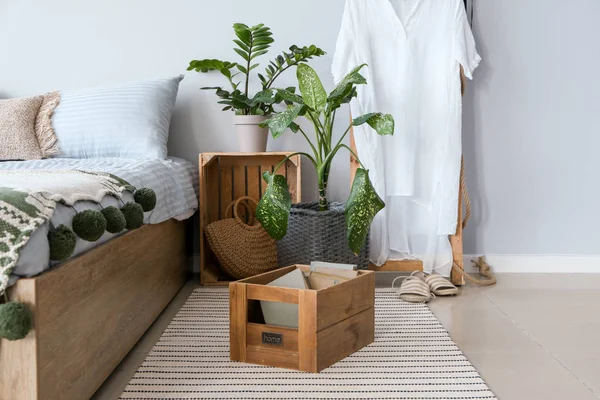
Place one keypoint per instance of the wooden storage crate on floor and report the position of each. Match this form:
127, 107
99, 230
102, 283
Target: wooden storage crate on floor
225, 177
332, 323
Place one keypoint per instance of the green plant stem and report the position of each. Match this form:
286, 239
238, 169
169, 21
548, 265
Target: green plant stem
323, 205
248, 110
272, 80
354, 154
343, 136
312, 146
318, 133
294, 154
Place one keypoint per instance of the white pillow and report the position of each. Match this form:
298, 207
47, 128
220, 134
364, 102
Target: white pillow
116, 121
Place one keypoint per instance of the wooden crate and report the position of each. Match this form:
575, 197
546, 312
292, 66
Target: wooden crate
332, 323
225, 177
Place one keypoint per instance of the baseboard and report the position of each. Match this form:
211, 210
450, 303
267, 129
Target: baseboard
533, 263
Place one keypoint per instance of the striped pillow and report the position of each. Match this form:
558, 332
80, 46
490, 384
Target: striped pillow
116, 121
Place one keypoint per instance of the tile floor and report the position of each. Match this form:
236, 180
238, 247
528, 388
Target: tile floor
530, 336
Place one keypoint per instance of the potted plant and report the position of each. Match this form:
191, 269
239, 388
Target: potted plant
251, 110
317, 227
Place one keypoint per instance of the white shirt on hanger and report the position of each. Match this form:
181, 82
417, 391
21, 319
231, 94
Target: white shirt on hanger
413, 49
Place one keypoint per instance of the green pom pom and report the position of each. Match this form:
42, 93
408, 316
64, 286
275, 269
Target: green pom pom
62, 241
89, 225
115, 220
15, 320
146, 198
134, 215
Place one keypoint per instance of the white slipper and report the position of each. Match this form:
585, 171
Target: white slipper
413, 289
440, 286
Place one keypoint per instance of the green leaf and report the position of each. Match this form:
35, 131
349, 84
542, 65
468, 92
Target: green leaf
281, 121
207, 65
344, 98
242, 53
243, 33
258, 54
242, 69
264, 96
312, 90
294, 127
242, 45
362, 206
273, 209
263, 41
290, 96
353, 78
382, 123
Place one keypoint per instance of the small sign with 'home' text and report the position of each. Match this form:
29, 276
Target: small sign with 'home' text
272, 338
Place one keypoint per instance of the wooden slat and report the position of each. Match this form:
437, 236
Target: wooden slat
209, 212
239, 187
264, 158
254, 182
18, 359
226, 190
289, 336
398, 266
267, 277
344, 338
345, 299
272, 293
238, 312
456, 241
307, 331
272, 357
294, 174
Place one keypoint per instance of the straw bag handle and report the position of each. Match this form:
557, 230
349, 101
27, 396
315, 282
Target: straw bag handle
235, 204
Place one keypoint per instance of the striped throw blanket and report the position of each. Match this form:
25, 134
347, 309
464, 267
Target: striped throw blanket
28, 199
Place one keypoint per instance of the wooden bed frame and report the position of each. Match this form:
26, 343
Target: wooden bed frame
90, 311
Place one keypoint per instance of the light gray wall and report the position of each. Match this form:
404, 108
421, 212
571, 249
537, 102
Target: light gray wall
532, 128
532, 125
67, 44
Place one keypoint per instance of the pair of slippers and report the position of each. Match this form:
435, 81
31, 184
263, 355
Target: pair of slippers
420, 288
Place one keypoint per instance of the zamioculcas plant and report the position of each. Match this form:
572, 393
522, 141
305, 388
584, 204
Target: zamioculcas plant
320, 109
253, 42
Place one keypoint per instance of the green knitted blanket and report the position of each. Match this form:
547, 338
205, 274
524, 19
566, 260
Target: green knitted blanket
28, 199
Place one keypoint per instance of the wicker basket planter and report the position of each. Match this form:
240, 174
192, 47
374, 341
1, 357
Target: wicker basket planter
315, 235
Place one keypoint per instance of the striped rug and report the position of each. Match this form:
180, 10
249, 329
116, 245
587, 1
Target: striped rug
413, 357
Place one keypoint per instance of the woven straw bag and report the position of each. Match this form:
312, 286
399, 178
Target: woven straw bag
243, 249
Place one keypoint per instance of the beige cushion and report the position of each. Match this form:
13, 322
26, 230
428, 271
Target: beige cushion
44, 131
17, 128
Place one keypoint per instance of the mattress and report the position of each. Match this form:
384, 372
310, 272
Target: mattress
174, 180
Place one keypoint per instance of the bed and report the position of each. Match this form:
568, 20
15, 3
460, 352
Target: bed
90, 310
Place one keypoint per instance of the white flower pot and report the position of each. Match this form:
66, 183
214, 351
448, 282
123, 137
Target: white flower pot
251, 137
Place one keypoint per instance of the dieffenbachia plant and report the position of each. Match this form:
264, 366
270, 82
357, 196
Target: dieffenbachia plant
319, 108
253, 42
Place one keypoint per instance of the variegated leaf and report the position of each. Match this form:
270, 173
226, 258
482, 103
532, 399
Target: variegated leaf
281, 121
310, 85
362, 206
274, 206
382, 123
